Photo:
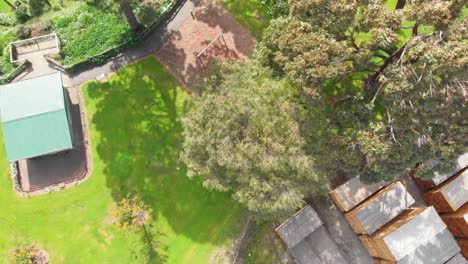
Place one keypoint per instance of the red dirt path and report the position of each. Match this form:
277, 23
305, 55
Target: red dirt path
179, 52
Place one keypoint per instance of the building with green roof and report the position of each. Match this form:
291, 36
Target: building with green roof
35, 117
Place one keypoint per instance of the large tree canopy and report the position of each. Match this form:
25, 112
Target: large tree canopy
241, 135
390, 80
359, 87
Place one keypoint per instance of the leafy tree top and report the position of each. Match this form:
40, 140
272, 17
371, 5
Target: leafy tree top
390, 81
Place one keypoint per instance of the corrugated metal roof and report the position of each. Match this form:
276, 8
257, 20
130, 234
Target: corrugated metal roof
417, 234
456, 191
31, 97
317, 248
295, 229
354, 192
437, 250
383, 209
37, 135
34, 117
457, 259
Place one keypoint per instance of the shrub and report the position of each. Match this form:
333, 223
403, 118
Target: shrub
5, 39
36, 7
5, 65
29, 254
88, 32
6, 20
21, 12
24, 254
23, 32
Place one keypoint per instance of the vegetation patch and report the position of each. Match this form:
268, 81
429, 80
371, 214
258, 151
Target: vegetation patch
89, 31
250, 13
135, 138
5, 38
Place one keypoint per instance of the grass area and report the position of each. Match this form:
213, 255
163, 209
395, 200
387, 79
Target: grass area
136, 137
250, 13
5, 8
5, 38
391, 4
265, 246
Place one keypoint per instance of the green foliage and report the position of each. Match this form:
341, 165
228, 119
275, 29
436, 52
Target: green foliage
21, 12
5, 65
147, 11
242, 135
132, 212
390, 85
6, 20
24, 254
89, 31
252, 14
276, 8
36, 7
23, 32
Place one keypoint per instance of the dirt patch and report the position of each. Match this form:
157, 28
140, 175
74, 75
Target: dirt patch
39, 29
179, 53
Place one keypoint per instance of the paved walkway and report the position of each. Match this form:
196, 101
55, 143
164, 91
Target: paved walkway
149, 47
35, 52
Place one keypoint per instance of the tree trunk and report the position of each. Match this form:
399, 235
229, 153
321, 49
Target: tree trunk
130, 15
48, 3
10, 4
400, 4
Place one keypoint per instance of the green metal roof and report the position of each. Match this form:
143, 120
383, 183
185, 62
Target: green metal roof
34, 117
31, 97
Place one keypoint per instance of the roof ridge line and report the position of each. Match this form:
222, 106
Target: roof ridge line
32, 78
31, 116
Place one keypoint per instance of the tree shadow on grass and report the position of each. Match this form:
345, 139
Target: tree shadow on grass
137, 135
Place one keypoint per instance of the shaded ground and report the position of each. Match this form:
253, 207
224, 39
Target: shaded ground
179, 52
252, 14
60, 167
136, 137
263, 246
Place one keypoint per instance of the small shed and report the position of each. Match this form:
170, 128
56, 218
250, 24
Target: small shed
35, 117
457, 222
451, 195
353, 192
307, 240
418, 236
438, 177
380, 209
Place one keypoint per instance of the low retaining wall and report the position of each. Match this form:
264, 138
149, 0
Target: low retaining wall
15, 72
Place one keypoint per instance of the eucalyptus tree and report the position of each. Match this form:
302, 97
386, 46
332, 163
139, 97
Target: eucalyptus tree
390, 81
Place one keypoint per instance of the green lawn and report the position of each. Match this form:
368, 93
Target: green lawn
4, 7
250, 13
136, 141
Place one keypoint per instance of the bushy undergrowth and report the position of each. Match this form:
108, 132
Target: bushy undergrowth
5, 65
88, 31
